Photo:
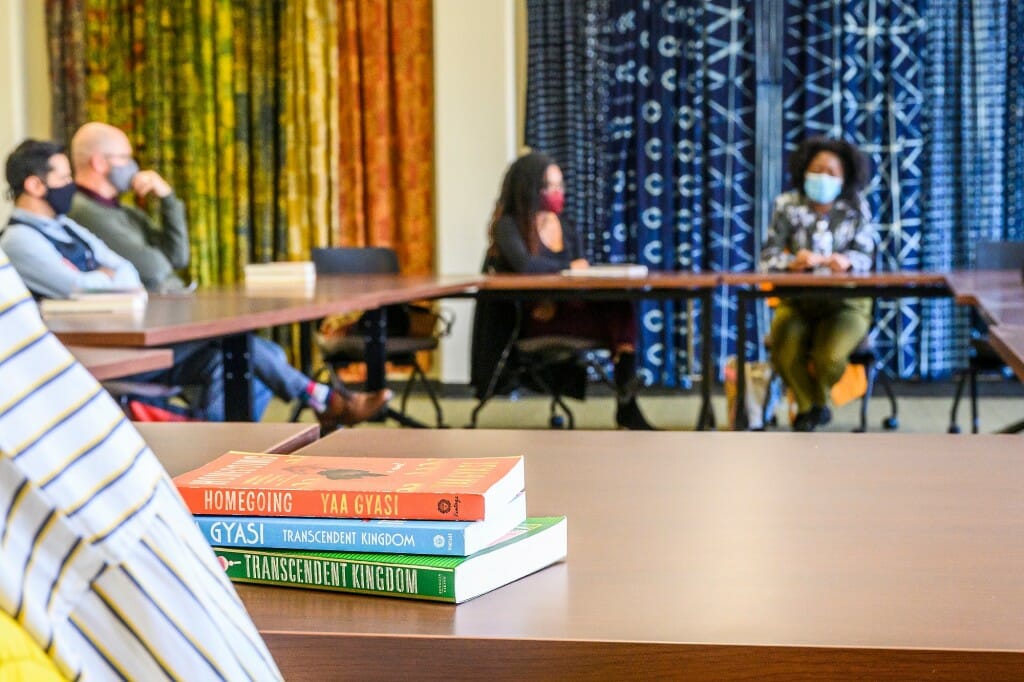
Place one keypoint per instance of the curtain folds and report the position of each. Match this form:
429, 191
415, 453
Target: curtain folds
931, 90
246, 108
386, 145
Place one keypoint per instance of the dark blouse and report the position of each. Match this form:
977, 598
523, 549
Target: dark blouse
513, 255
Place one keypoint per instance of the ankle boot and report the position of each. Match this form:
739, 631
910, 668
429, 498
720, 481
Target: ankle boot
627, 411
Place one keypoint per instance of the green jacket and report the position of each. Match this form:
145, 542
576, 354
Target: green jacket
157, 253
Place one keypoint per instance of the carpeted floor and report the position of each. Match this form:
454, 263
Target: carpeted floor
923, 408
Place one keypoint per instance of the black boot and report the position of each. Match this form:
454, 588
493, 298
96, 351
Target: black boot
627, 411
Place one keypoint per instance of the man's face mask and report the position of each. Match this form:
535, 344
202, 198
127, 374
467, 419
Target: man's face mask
59, 198
121, 176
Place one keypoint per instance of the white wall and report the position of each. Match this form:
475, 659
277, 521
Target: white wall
24, 79
476, 136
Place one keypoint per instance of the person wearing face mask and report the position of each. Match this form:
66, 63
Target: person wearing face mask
529, 234
53, 254
822, 224
104, 170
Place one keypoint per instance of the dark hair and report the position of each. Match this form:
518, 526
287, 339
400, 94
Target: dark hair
520, 198
856, 170
31, 157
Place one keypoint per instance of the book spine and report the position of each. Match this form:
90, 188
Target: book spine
329, 535
229, 501
339, 575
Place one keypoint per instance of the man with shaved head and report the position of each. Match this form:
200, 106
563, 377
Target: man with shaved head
104, 169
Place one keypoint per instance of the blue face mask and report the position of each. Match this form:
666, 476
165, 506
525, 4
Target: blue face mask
821, 188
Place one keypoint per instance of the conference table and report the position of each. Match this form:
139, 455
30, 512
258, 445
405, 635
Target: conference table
231, 313
706, 555
753, 285
115, 363
653, 286
1008, 341
183, 446
997, 295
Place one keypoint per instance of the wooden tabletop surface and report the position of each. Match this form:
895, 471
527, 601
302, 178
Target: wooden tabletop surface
998, 295
220, 311
183, 446
1008, 341
873, 556
556, 282
828, 279
115, 363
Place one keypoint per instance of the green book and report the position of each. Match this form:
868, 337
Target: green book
531, 546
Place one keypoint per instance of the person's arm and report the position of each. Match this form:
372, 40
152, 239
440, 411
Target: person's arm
121, 273
514, 252
173, 238
44, 270
860, 252
775, 253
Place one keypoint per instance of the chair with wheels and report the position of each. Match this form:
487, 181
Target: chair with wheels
404, 337
982, 358
557, 366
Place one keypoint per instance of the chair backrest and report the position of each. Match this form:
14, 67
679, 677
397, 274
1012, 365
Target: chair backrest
367, 260
999, 255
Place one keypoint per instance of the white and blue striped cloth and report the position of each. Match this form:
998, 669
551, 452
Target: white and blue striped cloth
99, 559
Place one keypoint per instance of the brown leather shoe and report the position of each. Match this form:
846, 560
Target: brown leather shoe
351, 409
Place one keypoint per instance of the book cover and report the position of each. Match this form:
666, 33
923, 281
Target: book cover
609, 270
531, 546
448, 538
252, 484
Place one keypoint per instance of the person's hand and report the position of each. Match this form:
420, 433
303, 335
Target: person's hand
838, 262
149, 182
579, 264
805, 260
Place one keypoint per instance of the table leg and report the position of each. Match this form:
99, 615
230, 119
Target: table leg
706, 420
741, 423
376, 337
238, 393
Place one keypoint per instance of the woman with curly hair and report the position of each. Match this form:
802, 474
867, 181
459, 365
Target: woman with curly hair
822, 224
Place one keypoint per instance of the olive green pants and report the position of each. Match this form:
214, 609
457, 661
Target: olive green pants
811, 340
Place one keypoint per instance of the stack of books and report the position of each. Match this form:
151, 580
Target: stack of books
437, 529
280, 277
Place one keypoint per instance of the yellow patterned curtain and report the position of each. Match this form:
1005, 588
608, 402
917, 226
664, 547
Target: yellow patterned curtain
252, 110
387, 144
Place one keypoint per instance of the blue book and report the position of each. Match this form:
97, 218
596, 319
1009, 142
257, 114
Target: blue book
450, 538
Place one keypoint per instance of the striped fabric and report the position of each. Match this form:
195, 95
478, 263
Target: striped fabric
99, 560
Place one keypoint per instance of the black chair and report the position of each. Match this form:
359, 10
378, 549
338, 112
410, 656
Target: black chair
401, 346
502, 362
982, 358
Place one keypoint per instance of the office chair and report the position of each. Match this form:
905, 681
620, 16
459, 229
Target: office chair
556, 366
402, 343
982, 358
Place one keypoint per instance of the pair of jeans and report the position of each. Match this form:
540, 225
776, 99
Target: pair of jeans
199, 369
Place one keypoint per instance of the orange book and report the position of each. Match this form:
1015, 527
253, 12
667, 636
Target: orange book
252, 484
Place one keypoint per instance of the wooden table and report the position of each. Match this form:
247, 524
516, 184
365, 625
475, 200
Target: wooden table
183, 446
707, 555
231, 313
997, 295
115, 363
656, 285
752, 285
1008, 341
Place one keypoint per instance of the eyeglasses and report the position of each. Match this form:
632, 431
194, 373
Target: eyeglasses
551, 188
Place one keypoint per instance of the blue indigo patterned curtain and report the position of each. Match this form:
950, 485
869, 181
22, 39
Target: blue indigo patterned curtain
853, 70
567, 102
681, 159
659, 99
967, 153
